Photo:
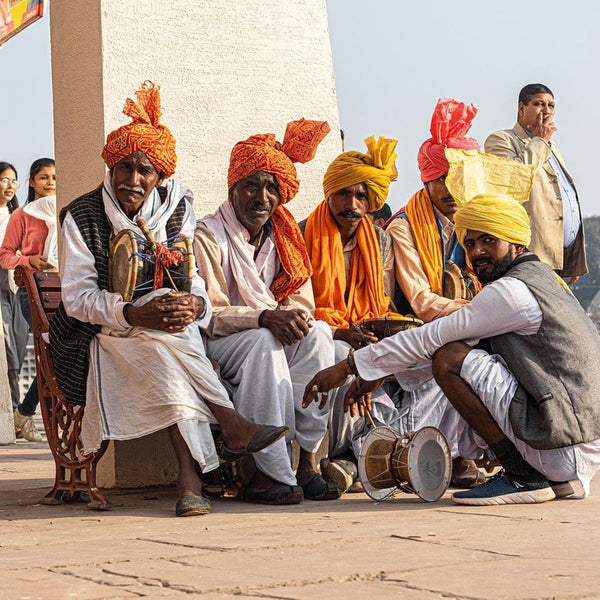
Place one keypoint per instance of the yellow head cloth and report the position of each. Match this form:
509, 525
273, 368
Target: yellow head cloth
496, 214
376, 170
472, 173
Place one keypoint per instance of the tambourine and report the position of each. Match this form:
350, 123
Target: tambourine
132, 265
415, 463
383, 327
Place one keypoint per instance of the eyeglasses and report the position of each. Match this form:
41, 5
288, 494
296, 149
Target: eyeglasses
13, 182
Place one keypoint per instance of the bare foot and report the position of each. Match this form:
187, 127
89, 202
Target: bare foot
307, 467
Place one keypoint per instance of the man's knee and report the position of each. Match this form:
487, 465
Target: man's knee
448, 359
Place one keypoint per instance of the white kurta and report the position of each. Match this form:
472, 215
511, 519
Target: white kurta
140, 380
506, 305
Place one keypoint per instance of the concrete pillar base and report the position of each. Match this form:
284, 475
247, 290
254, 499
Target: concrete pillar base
144, 462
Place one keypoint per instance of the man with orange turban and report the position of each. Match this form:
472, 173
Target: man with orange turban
428, 257
535, 400
140, 366
353, 279
262, 332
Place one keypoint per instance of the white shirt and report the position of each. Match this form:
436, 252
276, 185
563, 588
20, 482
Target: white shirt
503, 306
82, 297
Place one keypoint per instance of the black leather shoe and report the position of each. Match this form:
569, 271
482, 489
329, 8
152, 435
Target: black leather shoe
319, 489
277, 494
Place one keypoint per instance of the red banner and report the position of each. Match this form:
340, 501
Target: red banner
15, 15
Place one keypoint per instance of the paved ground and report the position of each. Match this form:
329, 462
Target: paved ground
347, 549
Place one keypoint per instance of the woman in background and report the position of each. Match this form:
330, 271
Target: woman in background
14, 325
30, 240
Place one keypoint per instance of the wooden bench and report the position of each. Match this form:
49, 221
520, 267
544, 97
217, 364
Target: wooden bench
75, 478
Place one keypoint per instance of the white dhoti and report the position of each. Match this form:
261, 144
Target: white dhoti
267, 380
144, 380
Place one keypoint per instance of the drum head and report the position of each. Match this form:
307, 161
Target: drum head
373, 463
123, 264
429, 464
384, 327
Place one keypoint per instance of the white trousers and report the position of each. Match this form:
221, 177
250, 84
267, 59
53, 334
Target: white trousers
266, 381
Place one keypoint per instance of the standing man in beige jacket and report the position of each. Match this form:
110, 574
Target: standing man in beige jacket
553, 206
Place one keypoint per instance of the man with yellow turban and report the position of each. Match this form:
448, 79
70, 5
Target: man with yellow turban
534, 401
353, 279
262, 332
140, 366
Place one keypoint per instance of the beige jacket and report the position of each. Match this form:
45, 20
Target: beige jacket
544, 207
227, 319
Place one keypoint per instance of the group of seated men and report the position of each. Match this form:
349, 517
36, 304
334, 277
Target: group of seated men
270, 342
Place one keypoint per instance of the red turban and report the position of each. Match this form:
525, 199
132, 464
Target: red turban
264, 153
450, 122
144, 133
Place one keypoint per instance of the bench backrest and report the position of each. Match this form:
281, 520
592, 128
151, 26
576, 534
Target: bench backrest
44, 293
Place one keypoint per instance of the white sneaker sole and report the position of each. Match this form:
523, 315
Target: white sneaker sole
529, 497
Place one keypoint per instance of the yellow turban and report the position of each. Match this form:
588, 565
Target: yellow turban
376, 170
496, 214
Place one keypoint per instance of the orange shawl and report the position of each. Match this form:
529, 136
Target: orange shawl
366, 297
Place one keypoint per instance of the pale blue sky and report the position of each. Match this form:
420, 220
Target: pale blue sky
393, 60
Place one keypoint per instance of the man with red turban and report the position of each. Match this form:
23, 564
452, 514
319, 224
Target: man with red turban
140, 366
262, 332
427, 254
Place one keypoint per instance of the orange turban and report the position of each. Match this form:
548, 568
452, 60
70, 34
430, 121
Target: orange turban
376, 169
144, 133
450, 122
264, 153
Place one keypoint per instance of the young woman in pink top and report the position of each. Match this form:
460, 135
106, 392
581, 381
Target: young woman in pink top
25, 243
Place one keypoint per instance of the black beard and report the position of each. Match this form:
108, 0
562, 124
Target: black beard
501, 266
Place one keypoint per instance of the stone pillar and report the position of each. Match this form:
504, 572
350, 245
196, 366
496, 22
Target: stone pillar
7, 423
227, 70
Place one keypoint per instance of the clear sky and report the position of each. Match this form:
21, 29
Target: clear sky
393, 59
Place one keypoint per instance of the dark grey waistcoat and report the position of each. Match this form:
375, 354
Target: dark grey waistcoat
558, 369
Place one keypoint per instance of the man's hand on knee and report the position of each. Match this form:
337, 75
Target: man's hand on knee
288, 326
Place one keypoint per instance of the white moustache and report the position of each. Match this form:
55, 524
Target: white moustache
126, 188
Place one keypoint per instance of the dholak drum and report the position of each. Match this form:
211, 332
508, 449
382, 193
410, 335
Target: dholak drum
384, 327
458, 285
416, 463
132, 266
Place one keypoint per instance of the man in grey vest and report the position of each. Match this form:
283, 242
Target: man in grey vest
533, 398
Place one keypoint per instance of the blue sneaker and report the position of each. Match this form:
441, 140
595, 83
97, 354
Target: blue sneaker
504, 489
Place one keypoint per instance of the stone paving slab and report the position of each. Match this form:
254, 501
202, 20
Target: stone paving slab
350, 549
